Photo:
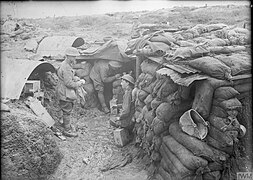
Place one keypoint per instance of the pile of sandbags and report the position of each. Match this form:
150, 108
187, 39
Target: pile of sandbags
158, 103
187, 156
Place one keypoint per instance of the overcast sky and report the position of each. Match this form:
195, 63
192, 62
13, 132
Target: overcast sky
41, 9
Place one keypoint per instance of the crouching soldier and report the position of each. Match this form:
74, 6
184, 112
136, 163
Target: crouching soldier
104, 72
66, 89
124, 120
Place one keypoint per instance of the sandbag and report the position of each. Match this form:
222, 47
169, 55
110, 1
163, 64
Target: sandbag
140, 78
169, 168
160, 82
237, 64
144, 111
173, 163
211, 66
165, 175
158, 176
231, 104
148, 117
166, 111
184, 92
218, 111
155, 103
150, 88
155, 156
190, 52
136, 114
220, 136
167, 88
156, 142
226, 92
139, 130
173, 98
241, 81
149, 136
216, 102
203, 98
214, 27
139, 105
149, 67
141, 95
184, 155
216, 42
218, 145
158, 126
226, 49
223, 124
214, 175
148, 101
215, 83
196, 146
148, 79
233, 134
244, 87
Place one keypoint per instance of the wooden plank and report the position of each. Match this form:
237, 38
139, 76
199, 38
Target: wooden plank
242, 76
40, 111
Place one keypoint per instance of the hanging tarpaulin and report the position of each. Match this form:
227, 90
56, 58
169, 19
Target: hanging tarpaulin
111, 50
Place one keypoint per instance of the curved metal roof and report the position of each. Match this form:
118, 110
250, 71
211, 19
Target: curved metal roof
56, 45
15, 73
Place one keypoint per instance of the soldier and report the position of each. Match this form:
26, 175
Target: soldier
125, 118
104, 72
66, 89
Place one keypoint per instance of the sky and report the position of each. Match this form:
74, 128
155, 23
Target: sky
42, 9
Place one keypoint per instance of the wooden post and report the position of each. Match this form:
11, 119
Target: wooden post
138, 66
245, 118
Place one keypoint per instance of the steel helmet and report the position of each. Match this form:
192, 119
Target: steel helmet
128, 78
71, 51
193, 124
116, 64
243, 130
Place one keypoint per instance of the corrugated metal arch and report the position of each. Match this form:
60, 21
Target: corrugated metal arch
15, 73
56, 45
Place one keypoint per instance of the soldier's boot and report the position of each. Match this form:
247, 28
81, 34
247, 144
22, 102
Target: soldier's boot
101, 99
68, 130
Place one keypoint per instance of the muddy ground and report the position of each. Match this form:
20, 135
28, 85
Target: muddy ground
93, 154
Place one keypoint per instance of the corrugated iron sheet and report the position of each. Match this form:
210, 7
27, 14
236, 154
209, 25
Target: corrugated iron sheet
176, 66
56, 45
182, 68
178, 79
15, 73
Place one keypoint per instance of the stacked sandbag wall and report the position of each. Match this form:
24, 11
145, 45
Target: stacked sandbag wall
219, 52
158, 102
217, 100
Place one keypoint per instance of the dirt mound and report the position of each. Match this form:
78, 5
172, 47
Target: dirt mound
28, 148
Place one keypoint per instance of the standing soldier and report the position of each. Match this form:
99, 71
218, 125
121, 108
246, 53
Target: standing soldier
104, 72
66, 89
